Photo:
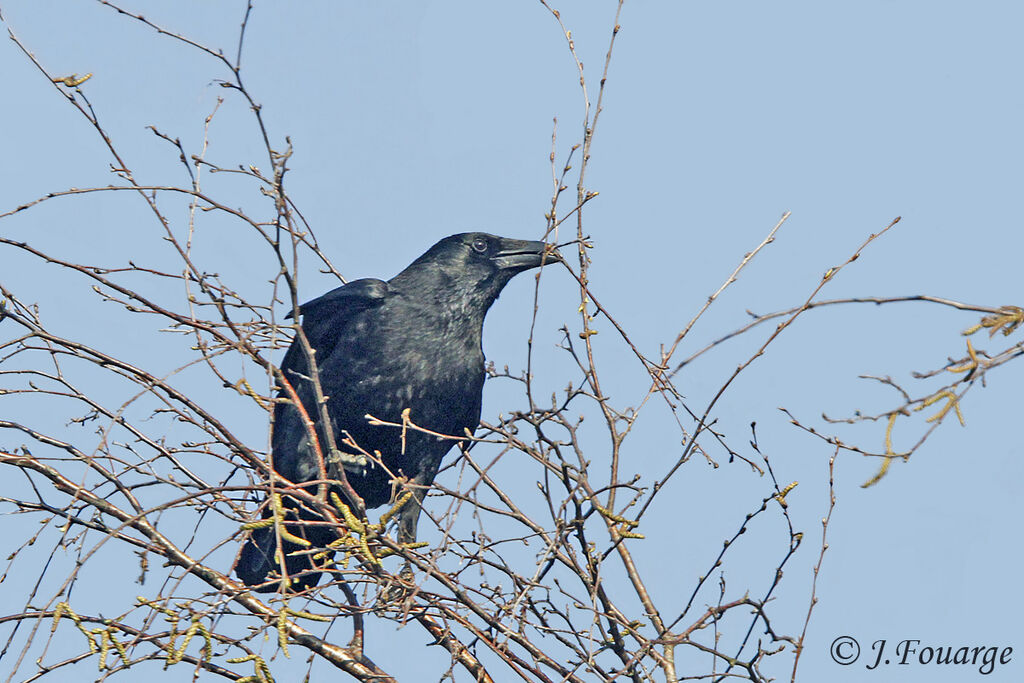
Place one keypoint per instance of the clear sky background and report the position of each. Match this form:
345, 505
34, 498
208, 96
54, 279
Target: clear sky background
414, 120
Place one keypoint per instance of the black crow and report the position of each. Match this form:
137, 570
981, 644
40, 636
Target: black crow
413, 342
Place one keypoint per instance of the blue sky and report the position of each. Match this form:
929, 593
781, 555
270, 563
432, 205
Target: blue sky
415, 120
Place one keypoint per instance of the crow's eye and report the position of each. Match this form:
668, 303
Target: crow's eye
480, 245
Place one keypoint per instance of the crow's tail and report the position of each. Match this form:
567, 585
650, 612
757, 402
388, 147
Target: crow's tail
258, 565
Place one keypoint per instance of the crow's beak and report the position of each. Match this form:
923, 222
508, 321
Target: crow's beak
524, 254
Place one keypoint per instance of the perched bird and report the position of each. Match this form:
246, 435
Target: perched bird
413, 342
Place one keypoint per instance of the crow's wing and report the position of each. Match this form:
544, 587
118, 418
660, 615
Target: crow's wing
325, 318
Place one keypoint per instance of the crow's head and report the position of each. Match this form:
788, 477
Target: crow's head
473, 267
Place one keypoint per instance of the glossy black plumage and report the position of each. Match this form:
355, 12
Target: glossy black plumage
381, 347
